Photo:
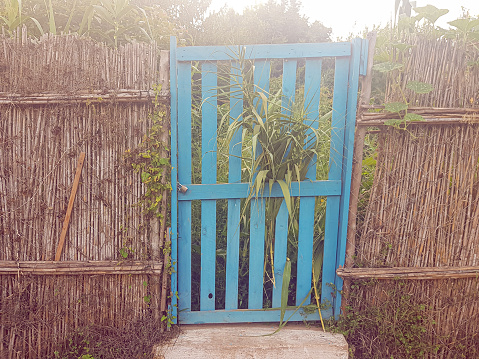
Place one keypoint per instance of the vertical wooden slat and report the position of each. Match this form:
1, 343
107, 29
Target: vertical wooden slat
280, 252
312, 84
261, 73
208, 175
257, 216
184, 176
289, 85
354, 69
281, 226
335, 164
234, 205
256, 255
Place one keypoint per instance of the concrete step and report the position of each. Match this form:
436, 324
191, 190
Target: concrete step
253, 340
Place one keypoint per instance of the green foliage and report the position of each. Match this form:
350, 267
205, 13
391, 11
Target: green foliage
395, 107
411, 117
397, 326
267, 23
150, 159
387, 66
114, 22
285, 289
430, 13
12, 16
419, 87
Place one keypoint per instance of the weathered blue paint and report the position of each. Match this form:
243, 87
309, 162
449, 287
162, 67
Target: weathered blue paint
363, 61
349, 64
289, 85
281, 225
234, 205
174, 178
335, 171
280, 252
256, 254
208, 174
312, 85
252, 52
354, 72
184, 176
249, 316
242, 190
261, 75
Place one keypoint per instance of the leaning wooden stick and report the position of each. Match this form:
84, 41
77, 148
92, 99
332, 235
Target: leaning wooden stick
66, 222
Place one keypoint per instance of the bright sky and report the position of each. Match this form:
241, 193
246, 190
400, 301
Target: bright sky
353, 16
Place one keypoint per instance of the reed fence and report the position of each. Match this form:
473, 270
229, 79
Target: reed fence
61, 96
417, 244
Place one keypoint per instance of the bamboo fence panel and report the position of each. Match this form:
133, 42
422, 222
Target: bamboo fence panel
423, 214
449, 65
60, 96
420, 231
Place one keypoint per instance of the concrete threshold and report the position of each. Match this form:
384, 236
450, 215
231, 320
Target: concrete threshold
253, 340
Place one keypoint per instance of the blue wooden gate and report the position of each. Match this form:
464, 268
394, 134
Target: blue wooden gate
194, 79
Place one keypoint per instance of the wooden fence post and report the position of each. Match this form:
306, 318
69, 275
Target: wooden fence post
357, 169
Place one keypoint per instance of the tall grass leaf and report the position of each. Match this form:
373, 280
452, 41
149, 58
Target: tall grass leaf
86, 20
294, 312
259, 119
286, 195
254, 144
40, 29
51, 18
67, 26
317, 261
259, 182
285, 289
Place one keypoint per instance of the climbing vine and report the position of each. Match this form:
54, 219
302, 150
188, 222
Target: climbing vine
151, 160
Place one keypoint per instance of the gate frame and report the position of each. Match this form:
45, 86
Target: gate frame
357, 66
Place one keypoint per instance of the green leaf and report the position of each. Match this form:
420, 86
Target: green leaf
387, 66
419, 87
285, 289
401, 47
124, 252
411, 117
395, 107
406, 23
393, 122
318, 261
286, 195
259, 182
430, 12
369, 161
51, 18
473, 35
464, 25
145, 177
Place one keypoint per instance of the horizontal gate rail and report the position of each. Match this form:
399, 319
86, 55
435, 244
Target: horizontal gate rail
257, 52
243, 190
252, 315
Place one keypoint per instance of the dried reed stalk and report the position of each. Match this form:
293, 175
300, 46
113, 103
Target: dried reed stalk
51, 112
80, 267
423, 216
409, 273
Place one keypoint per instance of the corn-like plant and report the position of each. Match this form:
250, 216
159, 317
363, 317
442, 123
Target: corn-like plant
279, 146
12, 17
